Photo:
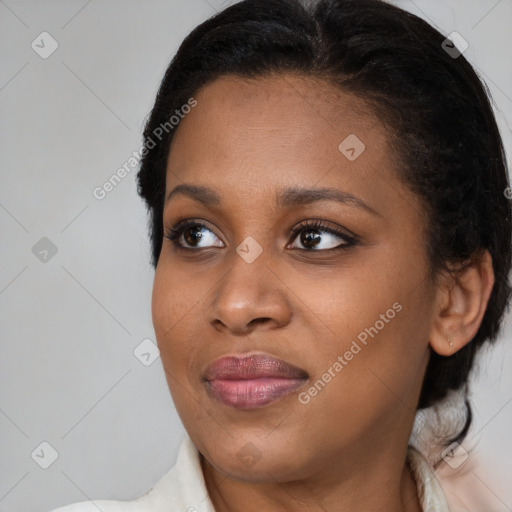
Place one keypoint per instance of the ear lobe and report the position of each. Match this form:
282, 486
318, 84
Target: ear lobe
462, 298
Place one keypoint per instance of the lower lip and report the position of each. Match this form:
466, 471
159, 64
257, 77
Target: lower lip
252, 393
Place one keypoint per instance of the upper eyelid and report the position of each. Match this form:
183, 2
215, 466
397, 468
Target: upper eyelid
322, 225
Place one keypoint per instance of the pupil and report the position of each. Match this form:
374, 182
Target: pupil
195, 235
308, 238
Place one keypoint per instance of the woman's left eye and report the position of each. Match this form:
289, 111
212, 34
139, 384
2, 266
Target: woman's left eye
315, 236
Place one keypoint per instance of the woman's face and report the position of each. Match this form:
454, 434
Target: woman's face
335, 311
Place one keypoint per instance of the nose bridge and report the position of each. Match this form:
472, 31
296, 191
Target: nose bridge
249, 291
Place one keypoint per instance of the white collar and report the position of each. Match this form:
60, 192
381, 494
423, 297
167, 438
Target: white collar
430, 492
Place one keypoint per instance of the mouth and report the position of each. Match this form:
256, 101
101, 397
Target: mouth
252, 381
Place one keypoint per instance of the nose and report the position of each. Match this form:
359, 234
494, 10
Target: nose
250, 296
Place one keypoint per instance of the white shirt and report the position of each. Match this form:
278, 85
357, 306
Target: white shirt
183, 489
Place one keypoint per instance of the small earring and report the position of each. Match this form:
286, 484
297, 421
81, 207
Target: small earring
450, 341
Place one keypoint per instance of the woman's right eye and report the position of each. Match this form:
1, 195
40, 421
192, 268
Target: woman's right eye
190, 235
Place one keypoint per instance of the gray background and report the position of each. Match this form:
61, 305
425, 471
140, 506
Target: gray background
69, 325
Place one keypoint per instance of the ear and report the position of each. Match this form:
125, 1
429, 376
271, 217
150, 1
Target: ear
461, 300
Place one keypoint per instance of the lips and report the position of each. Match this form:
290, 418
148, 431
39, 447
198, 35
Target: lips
248, 382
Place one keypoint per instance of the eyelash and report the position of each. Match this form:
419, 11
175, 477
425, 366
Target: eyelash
173, 233
318, 225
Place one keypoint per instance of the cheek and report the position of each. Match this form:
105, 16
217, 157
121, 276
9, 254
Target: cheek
377, 318
386, 351
174, 311
173, 302
343, 301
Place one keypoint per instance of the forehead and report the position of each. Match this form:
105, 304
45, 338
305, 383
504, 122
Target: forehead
286, 124
282, 101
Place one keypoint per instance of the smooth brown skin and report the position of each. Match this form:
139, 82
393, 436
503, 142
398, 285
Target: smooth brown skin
346, 448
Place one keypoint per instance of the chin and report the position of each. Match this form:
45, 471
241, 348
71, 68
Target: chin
244, 461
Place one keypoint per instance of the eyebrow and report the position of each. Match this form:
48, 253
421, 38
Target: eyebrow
286, 198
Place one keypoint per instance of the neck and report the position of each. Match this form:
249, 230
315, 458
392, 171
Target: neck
383, 484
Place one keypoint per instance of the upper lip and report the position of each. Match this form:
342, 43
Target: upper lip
254, 366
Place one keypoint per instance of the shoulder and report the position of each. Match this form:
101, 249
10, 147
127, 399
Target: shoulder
182, 488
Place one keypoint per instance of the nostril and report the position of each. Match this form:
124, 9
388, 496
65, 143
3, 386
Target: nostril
257, 321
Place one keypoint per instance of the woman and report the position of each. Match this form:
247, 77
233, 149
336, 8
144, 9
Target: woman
331, 239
